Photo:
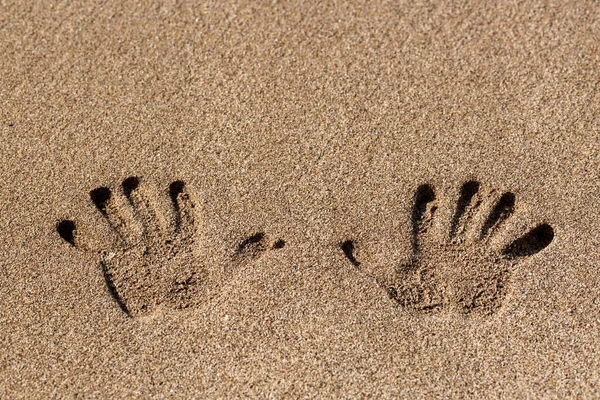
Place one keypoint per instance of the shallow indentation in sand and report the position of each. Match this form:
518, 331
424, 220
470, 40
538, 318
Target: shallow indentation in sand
460, 268
152, 260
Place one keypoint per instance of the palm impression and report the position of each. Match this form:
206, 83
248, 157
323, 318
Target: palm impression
462, 265
149, 259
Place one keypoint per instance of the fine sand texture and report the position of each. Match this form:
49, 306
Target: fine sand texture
288, 199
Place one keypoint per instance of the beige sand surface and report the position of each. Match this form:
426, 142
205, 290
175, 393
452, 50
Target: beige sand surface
299, 199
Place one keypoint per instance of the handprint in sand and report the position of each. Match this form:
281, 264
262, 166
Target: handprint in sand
148, 252
464, 263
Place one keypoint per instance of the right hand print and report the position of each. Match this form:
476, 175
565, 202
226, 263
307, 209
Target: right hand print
462, 266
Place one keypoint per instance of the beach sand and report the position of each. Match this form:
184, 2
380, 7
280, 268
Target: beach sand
299, 199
